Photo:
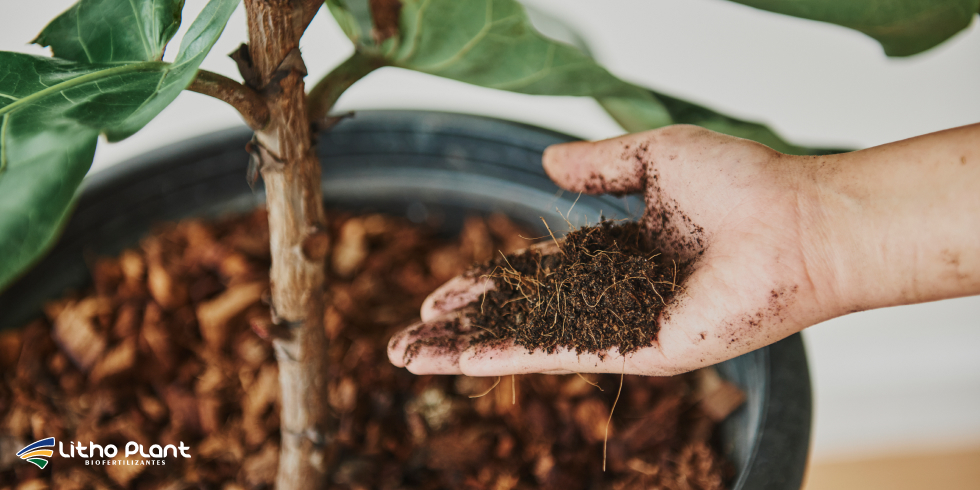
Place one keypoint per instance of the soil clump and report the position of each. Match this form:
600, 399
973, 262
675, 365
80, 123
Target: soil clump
167, 346
603, 288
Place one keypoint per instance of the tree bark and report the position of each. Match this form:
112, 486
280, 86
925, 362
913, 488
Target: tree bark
284, 154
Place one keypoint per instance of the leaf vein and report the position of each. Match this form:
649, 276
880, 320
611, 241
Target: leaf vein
3, 143
142, 29
472, 43
74, 82
538, 75
418, 30
78, 28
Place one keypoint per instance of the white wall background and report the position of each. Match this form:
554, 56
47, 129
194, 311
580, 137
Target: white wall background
886, 381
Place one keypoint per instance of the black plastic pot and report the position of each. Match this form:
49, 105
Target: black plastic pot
428, 166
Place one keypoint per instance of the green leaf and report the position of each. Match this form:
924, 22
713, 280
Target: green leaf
112, 31
903, 27
197, 43
683, 112
353, 17
491, 43
51, 113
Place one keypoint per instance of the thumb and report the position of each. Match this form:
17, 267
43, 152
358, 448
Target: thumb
596, 167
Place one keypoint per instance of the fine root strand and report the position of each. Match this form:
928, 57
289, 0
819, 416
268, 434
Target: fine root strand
590, 382
560, 249
605, 440
485, 393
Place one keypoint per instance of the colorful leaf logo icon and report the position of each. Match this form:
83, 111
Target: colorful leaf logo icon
35, 452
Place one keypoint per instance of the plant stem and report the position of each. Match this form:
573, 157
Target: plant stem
297, 222
325, 93
247, 101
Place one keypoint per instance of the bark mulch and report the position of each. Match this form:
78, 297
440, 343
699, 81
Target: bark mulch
165, 348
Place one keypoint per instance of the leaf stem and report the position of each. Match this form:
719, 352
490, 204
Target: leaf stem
244, 99
325, 93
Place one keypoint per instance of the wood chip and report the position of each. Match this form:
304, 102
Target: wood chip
9, 445
76, 332
119, 359
152, 407
476, 241
183, 408
720, 403
260, 468
333, 322
590, 417
213, 316
156, 337
162, 278
34, 485
122, 474
9, 348
342, 395
351, 248
132, 265
718, 398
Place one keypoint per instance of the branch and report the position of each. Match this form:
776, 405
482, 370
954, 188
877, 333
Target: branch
248, 102
307, 10
325, 93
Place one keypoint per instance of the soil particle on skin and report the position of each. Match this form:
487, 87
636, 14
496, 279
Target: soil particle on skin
679, 236
443, 340
181, 357
602, 290
747, 327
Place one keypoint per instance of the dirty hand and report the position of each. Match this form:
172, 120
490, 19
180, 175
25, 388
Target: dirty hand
779, 243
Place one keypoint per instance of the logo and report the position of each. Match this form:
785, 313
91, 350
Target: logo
35, 452
154, 455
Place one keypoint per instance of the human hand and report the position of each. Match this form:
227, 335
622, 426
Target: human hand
740, 210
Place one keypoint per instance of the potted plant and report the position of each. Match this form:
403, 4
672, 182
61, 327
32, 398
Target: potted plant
107, 77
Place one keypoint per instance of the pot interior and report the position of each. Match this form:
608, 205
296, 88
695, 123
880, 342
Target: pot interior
429, 167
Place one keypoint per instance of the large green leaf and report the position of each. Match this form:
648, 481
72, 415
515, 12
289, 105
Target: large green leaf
112, 31
51, 113
195, 46
903, 27
354, 18
683, 112
491, 43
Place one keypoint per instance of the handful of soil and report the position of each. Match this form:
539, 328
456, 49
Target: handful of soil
602, 289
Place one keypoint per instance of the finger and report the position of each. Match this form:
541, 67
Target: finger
549, 247
431, 347
508, 358
596, 167
455, 294
463, 290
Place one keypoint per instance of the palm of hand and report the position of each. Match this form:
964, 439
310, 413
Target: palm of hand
730, 204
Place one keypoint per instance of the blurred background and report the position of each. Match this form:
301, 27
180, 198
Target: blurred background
897, 391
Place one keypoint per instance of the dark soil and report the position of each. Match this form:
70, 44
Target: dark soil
603, 289
164, 348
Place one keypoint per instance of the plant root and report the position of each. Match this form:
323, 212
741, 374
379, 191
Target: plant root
605, 440
485, 393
